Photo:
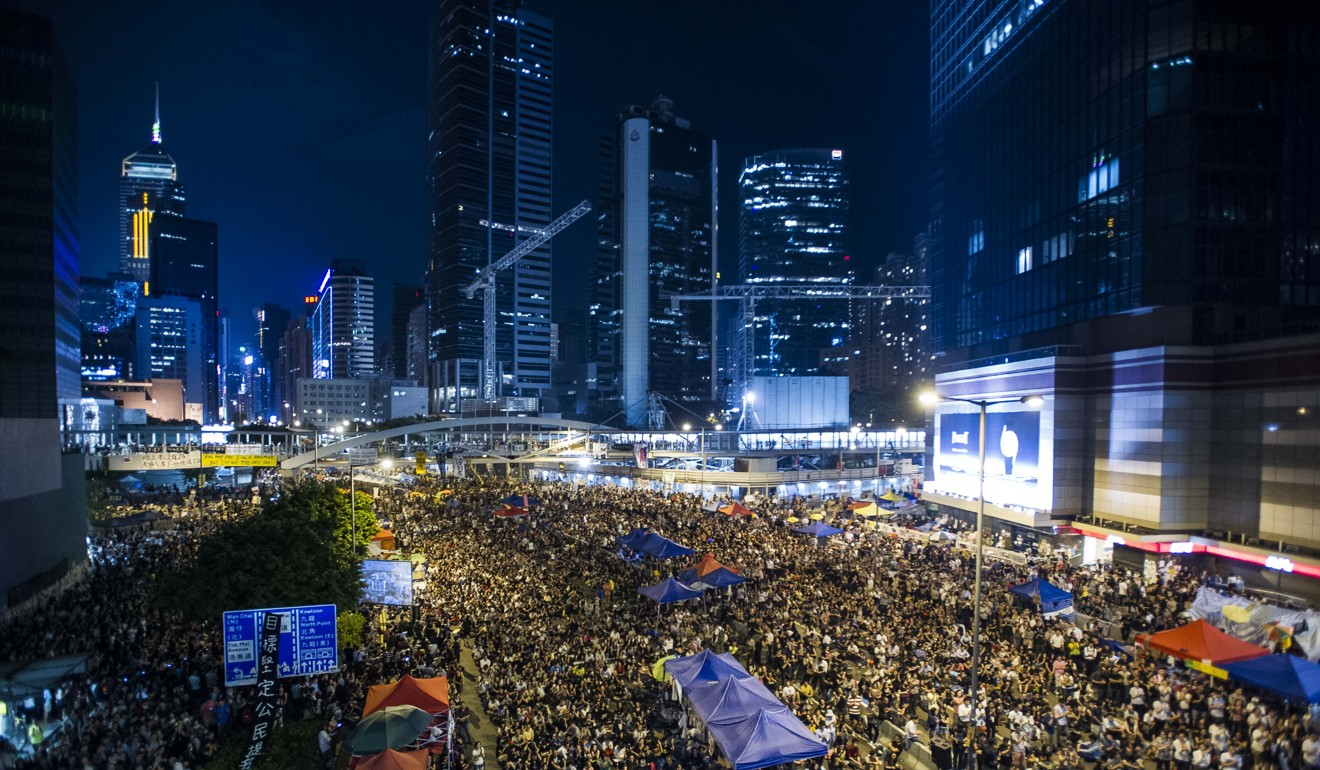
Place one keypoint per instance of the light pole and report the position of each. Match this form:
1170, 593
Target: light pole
930, 398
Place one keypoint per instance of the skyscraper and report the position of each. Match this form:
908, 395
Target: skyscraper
43, 504
793, 227
489, 175
1124, 198
107, 311
292, 363
149, 187
185, 263
169, 346
344, 324
407, 297
657, 231
890, 339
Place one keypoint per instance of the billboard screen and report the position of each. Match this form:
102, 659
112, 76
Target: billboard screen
1013, 471
388, 582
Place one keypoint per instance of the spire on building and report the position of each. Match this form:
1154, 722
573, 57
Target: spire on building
155, 127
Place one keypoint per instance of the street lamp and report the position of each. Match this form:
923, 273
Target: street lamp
930, 398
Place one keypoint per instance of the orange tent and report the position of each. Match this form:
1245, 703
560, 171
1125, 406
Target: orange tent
1202, 642
429, 695
385, 539
734, 509
389, 759
708, 565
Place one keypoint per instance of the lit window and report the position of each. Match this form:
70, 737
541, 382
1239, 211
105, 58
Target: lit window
1024, 260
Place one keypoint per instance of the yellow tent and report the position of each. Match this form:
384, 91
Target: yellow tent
869, 509
890, 497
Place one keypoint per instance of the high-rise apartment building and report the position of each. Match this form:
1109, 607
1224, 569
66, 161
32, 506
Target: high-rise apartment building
293, 362
185, 262
1124, 198
656, 236
43, 504
344, 324
149, 188
890, 343
793, 224
489, 175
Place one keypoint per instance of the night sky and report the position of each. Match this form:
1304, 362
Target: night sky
300, 127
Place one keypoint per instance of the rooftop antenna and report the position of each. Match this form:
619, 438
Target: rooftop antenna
155, 127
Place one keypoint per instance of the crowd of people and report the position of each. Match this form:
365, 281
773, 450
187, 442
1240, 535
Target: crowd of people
859, 636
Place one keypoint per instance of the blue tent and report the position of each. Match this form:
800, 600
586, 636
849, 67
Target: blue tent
660, 547
767, 738
731, 700
668, 591
632, 538
1054, 601
705, 667
1288, 675
719, 578
818, 529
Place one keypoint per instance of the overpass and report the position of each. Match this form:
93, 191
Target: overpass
541, 425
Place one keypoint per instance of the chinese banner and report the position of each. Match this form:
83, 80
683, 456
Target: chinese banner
265, 707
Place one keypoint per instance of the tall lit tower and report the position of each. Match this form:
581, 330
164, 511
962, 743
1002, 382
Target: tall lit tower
489, 176
793, 226
148, 187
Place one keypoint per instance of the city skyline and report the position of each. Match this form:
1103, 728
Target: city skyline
282, 117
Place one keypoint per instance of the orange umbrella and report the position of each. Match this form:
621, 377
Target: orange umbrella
389, 759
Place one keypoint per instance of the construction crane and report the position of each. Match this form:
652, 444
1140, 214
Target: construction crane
486, 282
749, 294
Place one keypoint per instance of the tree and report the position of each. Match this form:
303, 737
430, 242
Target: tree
299, 550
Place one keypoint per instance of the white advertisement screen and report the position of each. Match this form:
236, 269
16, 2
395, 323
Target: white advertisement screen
1014, 471
388, 582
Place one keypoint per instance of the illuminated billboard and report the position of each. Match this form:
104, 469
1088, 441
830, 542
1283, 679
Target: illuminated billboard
388, 582
1014, 471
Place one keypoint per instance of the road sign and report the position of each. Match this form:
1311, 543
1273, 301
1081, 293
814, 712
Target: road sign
308, 642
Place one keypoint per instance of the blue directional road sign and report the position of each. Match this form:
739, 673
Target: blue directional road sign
309, 643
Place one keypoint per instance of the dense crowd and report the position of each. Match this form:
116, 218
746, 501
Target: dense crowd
865, 630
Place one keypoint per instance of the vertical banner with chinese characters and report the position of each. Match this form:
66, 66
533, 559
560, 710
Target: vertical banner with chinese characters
264, 712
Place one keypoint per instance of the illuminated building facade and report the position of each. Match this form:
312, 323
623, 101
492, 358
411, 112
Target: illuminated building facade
489, 174
43, 503
185, 263
344, 324
107, 312
149, 188
1124, 199
793, 227
657, 231
169, 345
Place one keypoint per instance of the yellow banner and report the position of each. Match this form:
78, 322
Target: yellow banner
1206, 668
238, 461
420, 457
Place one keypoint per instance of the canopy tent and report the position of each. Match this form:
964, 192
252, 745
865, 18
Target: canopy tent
507, 511
669, 591
711, 507
734, 509
705, 667
703, 567
389, 759
1203, 642
635, 536
890, 497
1287, 675
521, 501
1054, 601
818, 529
661, 547
766, 738
731, 700
429, 695
864, 508
720, 578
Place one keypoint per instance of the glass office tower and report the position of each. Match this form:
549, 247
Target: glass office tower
793, 227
